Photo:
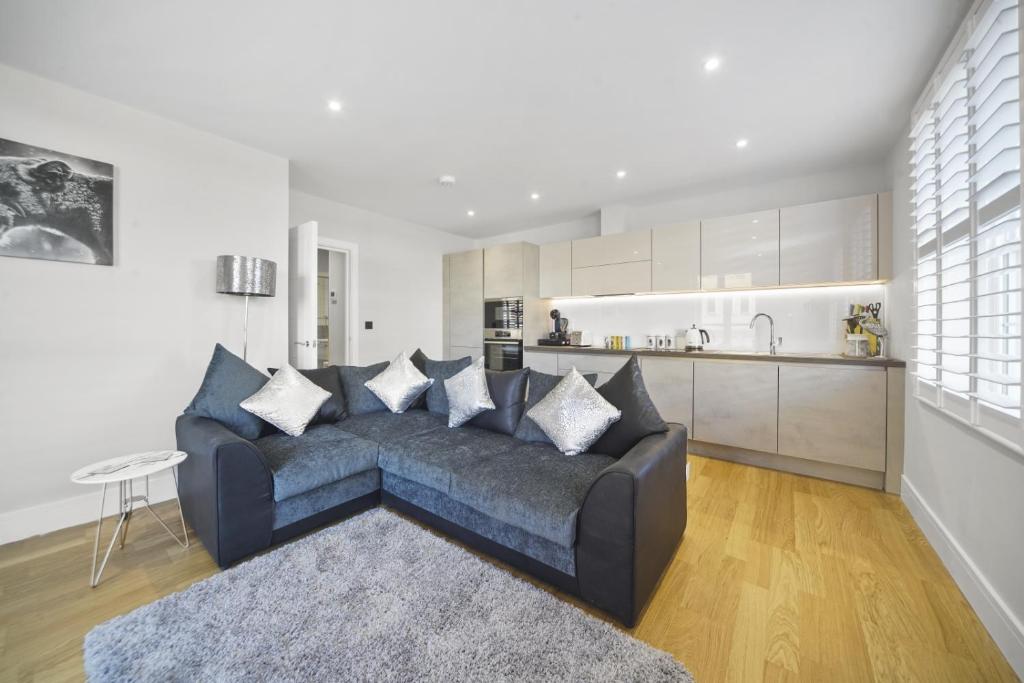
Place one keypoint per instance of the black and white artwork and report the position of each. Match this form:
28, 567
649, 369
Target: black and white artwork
55, 206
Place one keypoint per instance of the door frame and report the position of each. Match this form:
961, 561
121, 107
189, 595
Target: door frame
351, 250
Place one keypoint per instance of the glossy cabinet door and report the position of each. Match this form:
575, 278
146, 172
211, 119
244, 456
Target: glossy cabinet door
555, 269
603, 365
465, 293
833, 414
503, 271
833, 241
736, 404
669, 381
456, 352
740, 252
541, 361
616, 278
675, 258
621, 248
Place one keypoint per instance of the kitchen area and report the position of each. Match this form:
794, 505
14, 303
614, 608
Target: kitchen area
748, 329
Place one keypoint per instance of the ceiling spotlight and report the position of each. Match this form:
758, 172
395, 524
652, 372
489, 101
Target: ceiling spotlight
742, 143
712, 64
535, 196
446, 180
334, 105
620, 174
471, 213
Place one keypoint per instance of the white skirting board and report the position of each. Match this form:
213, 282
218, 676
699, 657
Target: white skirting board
60, 514
1003, 625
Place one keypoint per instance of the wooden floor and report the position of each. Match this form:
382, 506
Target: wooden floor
780, 577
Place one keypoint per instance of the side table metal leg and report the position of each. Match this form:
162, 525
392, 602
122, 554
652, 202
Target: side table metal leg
181, 515
127, 503
96, 544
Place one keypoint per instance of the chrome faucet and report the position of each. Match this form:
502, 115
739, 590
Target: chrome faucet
771, 330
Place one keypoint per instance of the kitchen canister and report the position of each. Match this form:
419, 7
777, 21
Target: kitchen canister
856, 346
652, 342
669, 342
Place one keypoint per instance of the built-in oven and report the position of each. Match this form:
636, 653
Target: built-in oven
503, 349
503, 314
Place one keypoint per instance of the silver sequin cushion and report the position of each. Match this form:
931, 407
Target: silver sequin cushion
288, 401
400, 384
467, 394
573, 414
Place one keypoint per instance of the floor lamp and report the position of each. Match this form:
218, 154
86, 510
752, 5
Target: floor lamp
246, 276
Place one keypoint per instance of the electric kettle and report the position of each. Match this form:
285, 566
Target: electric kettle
695, 339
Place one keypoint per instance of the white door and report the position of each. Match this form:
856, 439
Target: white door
302, 295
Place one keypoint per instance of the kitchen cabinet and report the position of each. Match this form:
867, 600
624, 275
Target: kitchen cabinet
669, 381
625, 247
555, 269
675, 258
833, 241
541, 362
603, 365
740, 252
616, 278
833, 414
474, 352
464, 297
736, 404
503, 270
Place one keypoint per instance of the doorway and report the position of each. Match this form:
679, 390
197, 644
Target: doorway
332, 301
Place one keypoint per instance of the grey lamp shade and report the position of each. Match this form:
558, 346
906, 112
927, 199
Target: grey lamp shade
246, 276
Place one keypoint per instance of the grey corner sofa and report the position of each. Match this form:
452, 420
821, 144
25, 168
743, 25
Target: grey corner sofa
598, 527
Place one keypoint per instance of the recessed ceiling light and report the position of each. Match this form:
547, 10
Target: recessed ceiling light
712, 64
742, 143
620, 174
756, 220
471, 213
446, 180
535, 195
334, 105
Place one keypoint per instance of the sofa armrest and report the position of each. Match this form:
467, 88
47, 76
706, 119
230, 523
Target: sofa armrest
630, 524
226, 489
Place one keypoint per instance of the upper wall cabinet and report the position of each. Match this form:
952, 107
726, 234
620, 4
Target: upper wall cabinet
624, 247
740, 252
675, 258
555, 269
503, 271
833, 241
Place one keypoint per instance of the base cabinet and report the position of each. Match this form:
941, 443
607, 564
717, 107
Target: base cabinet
834, 415
736, 404
541, 362
669, 381
604, 366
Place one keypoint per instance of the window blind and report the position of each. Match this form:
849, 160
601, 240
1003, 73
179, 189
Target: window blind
966, 204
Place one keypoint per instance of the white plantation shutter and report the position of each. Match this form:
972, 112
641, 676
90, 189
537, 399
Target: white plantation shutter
966, 203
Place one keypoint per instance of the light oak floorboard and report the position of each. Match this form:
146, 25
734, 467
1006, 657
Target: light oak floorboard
779, 578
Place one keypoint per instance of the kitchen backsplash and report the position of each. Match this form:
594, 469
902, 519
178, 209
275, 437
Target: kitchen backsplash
808, 320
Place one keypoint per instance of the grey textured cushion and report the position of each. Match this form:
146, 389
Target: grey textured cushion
288, 401
573, 414
508, 391
386, 427
533, 487
333, 408
298, 508
439, 371
229, 380
430, 458
399, 384
324, 454
467, 394
640, 418
358, 399
539, 386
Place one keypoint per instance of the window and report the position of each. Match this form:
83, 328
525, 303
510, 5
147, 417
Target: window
966, 202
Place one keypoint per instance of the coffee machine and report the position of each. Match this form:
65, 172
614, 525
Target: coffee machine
559, 335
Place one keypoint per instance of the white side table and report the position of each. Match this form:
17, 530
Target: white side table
122, 471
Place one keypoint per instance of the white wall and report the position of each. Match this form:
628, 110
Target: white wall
98, 361
965, 492
399, 274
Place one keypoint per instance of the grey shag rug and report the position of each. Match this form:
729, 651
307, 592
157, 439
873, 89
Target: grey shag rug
375, 598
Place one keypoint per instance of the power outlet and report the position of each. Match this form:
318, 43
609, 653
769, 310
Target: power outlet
368, 324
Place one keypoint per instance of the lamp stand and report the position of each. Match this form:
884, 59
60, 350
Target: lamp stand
245, 331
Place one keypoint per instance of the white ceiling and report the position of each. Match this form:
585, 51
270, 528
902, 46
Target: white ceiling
551, 96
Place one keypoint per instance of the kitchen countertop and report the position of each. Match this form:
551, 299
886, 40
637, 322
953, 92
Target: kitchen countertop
823, 358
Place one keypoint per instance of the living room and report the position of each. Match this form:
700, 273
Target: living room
487, 341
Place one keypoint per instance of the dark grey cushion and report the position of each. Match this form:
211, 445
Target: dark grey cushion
508, 393
429, 458
328, 379
540, 384
358, 399
322, 455
640, 418
229, 380
533, 487
385, 427
439, 371
419, 360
